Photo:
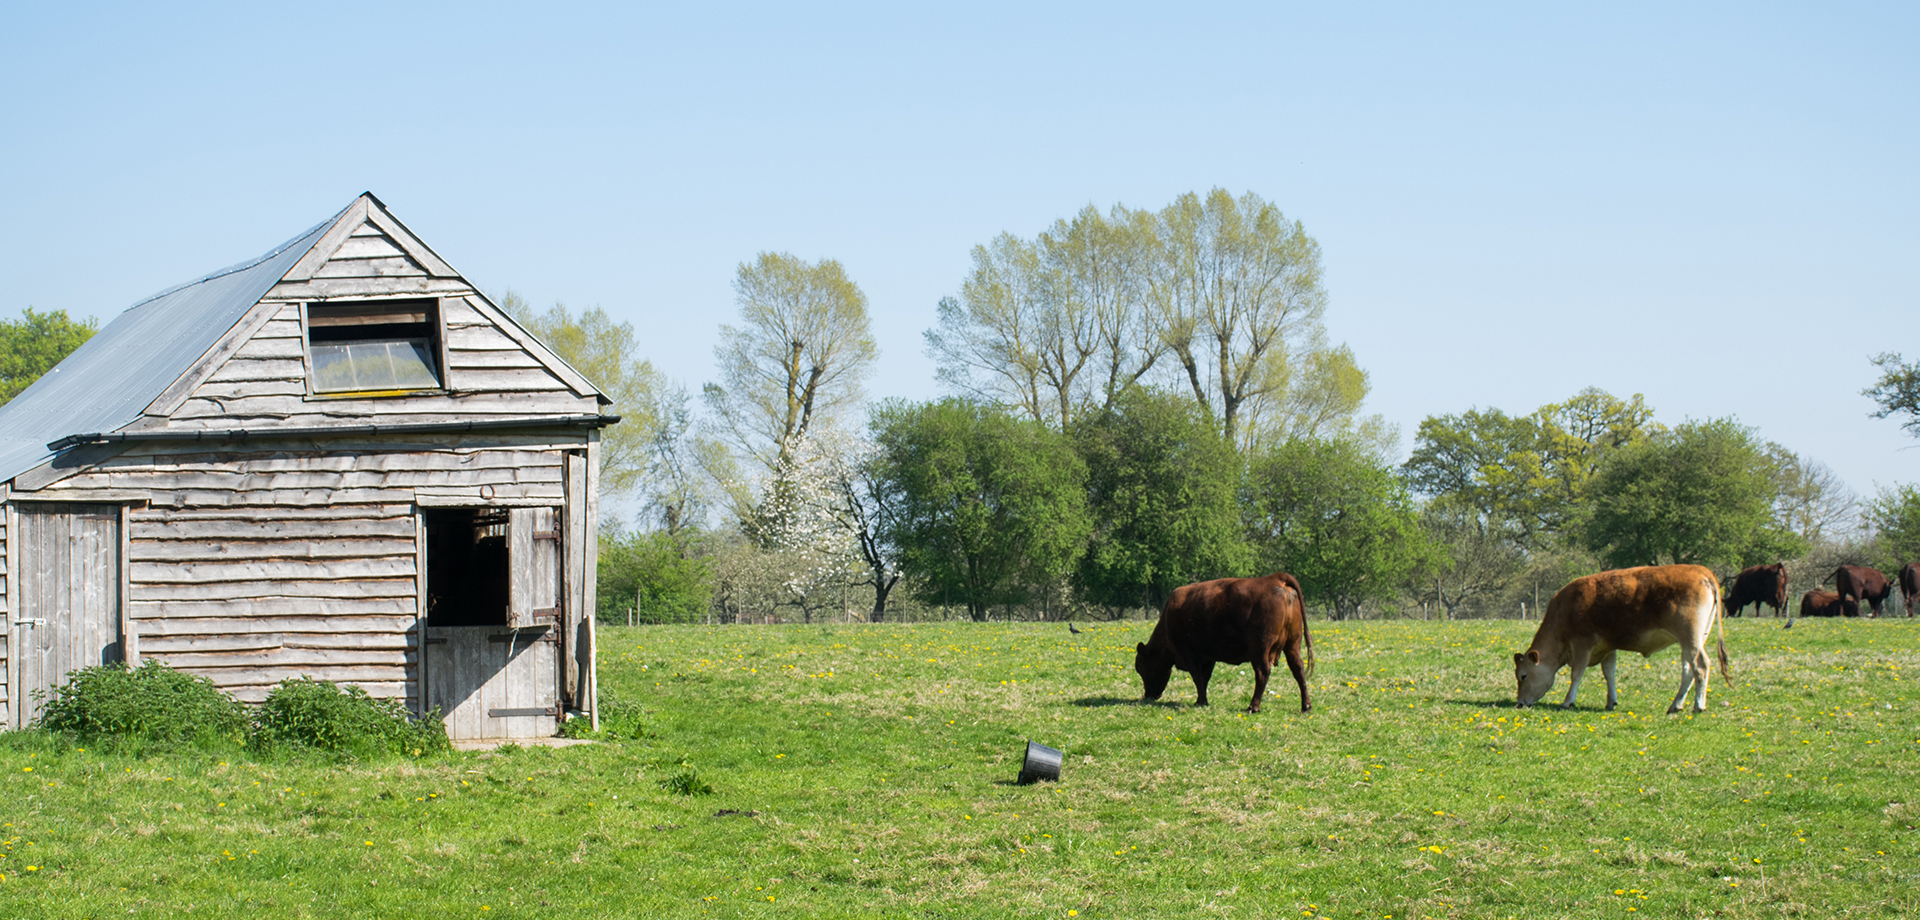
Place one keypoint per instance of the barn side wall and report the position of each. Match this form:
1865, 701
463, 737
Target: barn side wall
6, 613
252, 563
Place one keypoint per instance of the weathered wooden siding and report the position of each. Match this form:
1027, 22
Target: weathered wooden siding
253, 563
6, 631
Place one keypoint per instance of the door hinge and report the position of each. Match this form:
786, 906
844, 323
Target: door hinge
36, 621
528, 636
553, 711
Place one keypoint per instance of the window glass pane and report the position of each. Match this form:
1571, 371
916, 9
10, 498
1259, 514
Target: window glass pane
388, 364
412, 368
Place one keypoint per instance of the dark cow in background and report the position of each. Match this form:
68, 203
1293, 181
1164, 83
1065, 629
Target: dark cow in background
1861, 583
1232, 621
1826, 604
1909, 584
1760, 585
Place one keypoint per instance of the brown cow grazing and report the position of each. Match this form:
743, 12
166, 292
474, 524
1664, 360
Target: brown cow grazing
1640, 610
1909, 584
1232, 621
1827, 604
1862, 584
1760, 585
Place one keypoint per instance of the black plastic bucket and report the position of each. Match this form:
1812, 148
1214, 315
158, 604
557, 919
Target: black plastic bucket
1042, 763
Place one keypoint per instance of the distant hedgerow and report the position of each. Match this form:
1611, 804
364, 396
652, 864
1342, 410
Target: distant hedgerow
149, 706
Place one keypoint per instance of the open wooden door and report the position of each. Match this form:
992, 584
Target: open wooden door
67, 612
492, 643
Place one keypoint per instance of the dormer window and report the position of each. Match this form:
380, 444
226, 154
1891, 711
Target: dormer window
374, 347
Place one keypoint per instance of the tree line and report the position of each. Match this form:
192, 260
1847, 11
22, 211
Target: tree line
1139, 399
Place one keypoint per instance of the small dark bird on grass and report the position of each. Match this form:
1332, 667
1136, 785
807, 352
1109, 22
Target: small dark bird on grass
1073, 629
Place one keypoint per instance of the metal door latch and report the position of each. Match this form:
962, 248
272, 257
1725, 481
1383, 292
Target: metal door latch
36, 621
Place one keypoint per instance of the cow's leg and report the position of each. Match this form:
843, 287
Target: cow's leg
1607, 665
1262, 669
1686, 681
1299, 670
1576, 667
1202, 672
1702, 670
1693, 672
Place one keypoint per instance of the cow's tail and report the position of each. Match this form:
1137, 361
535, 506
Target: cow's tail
1306, 637
1306, 634
1720, 623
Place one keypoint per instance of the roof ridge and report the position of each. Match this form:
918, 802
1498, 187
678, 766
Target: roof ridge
243, 266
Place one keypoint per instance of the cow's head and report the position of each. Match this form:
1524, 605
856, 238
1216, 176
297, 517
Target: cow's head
1155, 669
1534, 678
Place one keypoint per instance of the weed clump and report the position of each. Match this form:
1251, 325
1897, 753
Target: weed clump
316, 714
149, 707
687, 782
620, 720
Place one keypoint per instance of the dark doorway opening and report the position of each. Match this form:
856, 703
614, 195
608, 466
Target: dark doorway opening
467, 567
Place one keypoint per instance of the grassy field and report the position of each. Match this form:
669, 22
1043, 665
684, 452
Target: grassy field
866, 771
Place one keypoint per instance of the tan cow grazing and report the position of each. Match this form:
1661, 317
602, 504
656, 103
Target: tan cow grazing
1639, 610
1233, 621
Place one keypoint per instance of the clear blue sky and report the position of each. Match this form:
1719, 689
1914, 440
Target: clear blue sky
1710, 204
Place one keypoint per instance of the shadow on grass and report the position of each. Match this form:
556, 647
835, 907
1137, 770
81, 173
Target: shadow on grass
1487, 704
1095, 702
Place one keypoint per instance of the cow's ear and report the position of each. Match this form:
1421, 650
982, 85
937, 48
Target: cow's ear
1533, 655
1139, 646
1518, 657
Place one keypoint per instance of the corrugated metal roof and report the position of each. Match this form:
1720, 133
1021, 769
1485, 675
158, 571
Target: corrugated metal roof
104, 385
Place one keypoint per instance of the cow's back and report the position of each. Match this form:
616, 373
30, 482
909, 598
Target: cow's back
1640, 609
1217, 619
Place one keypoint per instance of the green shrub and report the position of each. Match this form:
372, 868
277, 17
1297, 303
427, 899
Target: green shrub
149, 706
316, 714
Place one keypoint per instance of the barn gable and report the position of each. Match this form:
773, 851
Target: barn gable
265, 371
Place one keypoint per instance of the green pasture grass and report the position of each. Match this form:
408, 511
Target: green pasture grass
867, 771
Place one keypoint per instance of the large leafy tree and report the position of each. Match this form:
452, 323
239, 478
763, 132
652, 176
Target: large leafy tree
1237, 287
1161, 486
607, 353
800, 353
986, 507
1217, 297
1895, 516
31, 345
1528, 473
1704, 492
1336, 518
1897, 391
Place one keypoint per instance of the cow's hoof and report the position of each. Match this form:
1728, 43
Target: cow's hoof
1672, 709
1566, 705
1611, 706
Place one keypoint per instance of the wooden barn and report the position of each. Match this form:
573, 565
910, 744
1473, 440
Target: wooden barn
338, 460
